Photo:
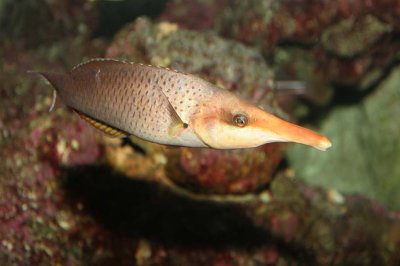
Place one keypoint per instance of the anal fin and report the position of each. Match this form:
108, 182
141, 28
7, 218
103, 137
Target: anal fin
103, 127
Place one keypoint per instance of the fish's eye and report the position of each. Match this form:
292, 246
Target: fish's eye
240, 120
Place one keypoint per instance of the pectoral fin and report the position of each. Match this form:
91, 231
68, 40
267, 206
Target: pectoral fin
177, 125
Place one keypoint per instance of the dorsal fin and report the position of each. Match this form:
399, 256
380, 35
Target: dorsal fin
103, 127
97, 62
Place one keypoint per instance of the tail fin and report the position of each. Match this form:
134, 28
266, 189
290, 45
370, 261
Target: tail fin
54, 79
53, 101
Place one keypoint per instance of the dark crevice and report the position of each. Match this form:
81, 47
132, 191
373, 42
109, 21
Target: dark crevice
293, 43
113, 15
345, 95
316, 114
349, 95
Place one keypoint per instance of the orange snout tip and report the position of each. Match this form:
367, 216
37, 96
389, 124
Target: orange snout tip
323, 144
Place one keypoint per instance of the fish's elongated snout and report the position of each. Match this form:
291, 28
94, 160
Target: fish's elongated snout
260, 127
284, 131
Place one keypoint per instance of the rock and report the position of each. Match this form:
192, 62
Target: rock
195, 15
35, 220
364, 144
322, 31
34, 23
327, 231
364, 33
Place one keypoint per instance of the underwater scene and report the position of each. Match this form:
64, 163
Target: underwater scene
199, 132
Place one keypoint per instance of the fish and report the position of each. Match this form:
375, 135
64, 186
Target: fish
169, 107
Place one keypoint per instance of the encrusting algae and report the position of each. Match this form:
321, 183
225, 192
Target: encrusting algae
169, 107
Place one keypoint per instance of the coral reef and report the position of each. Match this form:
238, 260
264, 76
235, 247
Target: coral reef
71, 196
352, 43
35, 219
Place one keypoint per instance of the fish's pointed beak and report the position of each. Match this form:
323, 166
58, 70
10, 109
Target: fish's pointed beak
284, 131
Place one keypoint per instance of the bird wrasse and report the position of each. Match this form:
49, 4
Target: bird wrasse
169, 107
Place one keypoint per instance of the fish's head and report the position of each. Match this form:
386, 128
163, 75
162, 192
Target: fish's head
227, 122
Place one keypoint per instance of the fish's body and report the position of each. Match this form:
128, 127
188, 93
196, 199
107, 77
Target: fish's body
135, 98
169, 107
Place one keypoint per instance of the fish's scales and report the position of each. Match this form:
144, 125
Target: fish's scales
135, 98
124, 100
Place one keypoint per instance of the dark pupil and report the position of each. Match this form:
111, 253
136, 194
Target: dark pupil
240, 120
